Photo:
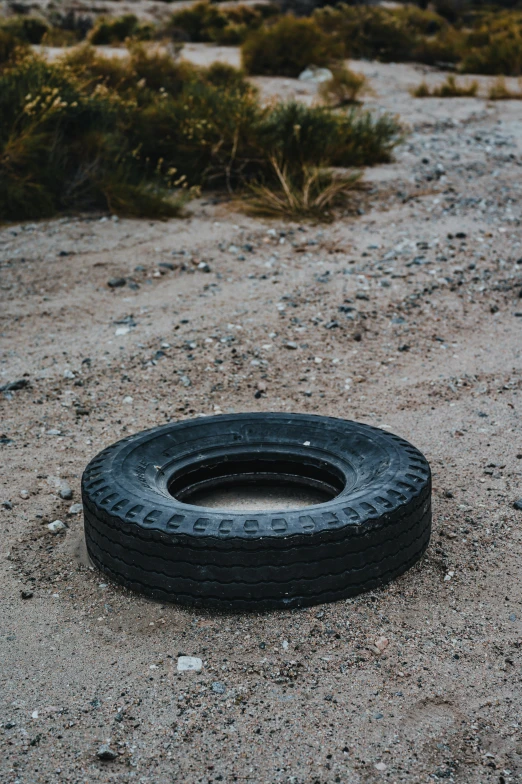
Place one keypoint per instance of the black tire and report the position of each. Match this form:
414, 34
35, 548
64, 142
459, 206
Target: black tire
374, 529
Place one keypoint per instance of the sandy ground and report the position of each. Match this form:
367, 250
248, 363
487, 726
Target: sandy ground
407, 316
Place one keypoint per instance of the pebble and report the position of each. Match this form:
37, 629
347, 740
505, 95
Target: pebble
54, 432
219, 688
24, 493
291, 345
7, 504
75, 509
127, 399
115, 283
189, 664
203, 266
56, 526
106, 753
65, 492
26, 594
381, 766
518, 505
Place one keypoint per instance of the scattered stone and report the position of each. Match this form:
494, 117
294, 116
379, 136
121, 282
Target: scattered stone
189, 664
26, 594
24, 493
315, 75
380, 766
203, 266
54, 432
127, 400
7, 504
291, 345
106, 753
218, 688
21, 383
56, 526
185, 380
518, 505
512, 617
65, 492
116, 283
75, 509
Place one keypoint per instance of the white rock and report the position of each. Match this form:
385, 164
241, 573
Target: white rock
122, 331
128, 399
380, 766
68, 374
75, 509
189, 664
56, 526
315, 75
24, 493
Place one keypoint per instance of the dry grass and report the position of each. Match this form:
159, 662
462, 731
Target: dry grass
312, 195
448, 89
499, 91
344, 88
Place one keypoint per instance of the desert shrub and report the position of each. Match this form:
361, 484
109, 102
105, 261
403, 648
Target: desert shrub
93, 132
205, 21
311, 195
62, 147
118, 29
287, 47
300, 136
495, 46
448, 89
8, 46
27, 29
380, 33
343, 88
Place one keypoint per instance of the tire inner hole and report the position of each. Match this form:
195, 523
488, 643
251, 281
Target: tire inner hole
257, 483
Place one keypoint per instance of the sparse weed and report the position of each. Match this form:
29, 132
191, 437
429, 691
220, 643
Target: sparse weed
448, 89
118, 29
311, 194
499, 91
343, 88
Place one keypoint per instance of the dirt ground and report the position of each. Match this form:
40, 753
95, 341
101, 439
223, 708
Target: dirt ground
407, 316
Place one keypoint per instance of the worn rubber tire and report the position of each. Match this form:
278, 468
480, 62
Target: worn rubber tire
376, 527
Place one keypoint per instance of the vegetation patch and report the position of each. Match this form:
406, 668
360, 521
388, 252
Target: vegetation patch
134, 135
287, 47
448, 89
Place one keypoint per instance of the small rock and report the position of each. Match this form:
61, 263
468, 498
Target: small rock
68, 374
315, 75
291, 345
185, 380
381, 766
189, 664
54, 432
127, 399
24, 493
115, 283
203, 266
512, 617
56, 526
106, 753
65, 492
26, 594
381, 643
21, 383
218, 688
518, 505
7, 504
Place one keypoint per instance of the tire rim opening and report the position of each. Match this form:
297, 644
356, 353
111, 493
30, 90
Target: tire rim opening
255, 483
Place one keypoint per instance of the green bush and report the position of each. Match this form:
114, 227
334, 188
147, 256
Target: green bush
8, 46
205, 21
287, 47
495, 46
115, 30
379, 33
27, 29
94, 132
